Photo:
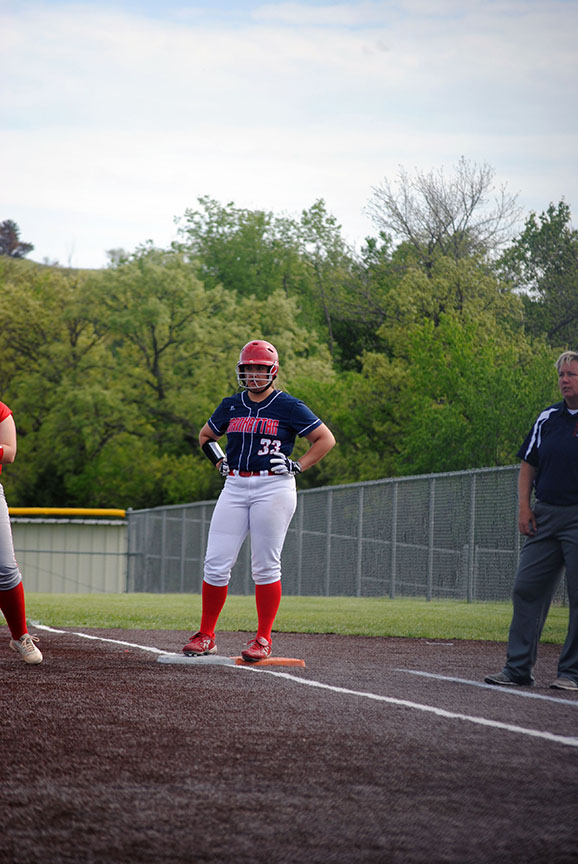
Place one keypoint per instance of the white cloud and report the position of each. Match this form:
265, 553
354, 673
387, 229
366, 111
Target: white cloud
116, 122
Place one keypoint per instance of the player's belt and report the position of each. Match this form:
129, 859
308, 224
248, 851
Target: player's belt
236, 473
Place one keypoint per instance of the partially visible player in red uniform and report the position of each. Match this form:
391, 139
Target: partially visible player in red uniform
259, 496
11, 590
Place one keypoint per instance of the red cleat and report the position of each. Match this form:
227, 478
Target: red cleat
198, 644
257, 649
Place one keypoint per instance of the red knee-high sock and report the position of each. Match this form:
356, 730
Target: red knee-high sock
14, 610
267, 598
214, 597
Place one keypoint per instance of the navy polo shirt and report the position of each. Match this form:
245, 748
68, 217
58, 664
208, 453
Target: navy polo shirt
551, 447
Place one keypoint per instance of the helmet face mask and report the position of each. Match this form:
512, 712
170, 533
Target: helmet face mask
257, 353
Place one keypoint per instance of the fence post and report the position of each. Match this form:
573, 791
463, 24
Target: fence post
359, 544
431, 537
147, 556
163, 550
128, 549
465, 570
472, 543
183, 548
328, 543
394, 542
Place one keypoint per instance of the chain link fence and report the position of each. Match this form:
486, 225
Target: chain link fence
438, 536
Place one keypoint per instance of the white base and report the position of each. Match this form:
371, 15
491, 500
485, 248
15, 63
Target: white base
201, 660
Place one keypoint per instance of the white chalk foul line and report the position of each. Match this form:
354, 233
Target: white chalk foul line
510, 691
390, 700
98, 638
440, 712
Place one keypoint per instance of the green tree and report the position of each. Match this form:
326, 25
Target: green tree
360, 409
456, 359
166, 335
255, 253
112, 374
466, 288
542, 263
174, 346
97, 370
330, 264
470, 395
10, 243
53, 362
249, 252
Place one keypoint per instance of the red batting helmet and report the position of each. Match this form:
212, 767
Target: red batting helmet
258, 353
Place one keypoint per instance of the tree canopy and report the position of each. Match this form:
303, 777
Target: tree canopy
10, 243
542, 264
423, 352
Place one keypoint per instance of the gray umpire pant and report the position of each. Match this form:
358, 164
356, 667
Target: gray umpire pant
542, 560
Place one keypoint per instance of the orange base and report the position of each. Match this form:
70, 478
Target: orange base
270, 661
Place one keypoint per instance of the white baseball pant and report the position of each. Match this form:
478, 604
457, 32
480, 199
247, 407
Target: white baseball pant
262, 506
10, 575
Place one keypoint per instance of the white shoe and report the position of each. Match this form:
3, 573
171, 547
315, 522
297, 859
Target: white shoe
26, 648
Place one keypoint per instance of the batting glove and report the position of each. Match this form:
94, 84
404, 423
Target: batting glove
281, 464
223, 467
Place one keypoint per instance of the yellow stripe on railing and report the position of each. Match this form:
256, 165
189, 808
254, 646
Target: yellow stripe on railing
64, 511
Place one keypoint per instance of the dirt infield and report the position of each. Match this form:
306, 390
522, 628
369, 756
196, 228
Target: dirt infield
110, 756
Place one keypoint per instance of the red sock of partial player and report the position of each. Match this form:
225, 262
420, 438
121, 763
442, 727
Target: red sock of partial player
14, 610
214, 597
267, 598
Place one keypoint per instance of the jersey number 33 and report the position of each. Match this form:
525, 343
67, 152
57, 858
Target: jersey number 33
269, 446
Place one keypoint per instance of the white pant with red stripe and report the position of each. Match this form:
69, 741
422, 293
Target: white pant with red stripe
262, 506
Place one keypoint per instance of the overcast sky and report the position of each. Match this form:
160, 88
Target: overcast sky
115, 117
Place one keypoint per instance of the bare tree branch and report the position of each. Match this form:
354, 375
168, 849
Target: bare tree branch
459, 215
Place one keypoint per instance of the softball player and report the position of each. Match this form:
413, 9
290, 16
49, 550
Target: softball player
11, 590
259, 495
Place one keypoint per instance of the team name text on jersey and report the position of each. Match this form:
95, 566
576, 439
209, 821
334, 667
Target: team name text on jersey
256, 425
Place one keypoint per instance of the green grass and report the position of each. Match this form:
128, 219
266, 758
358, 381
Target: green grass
413, 618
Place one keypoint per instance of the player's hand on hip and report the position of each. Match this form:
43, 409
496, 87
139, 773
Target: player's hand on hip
281, 464
223, 467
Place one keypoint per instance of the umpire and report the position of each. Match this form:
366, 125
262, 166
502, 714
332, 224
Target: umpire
550, 467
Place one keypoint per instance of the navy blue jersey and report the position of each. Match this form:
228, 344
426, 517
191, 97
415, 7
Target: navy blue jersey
257, 430
551, 447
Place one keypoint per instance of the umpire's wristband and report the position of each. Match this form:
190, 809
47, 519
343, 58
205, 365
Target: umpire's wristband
213, 451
